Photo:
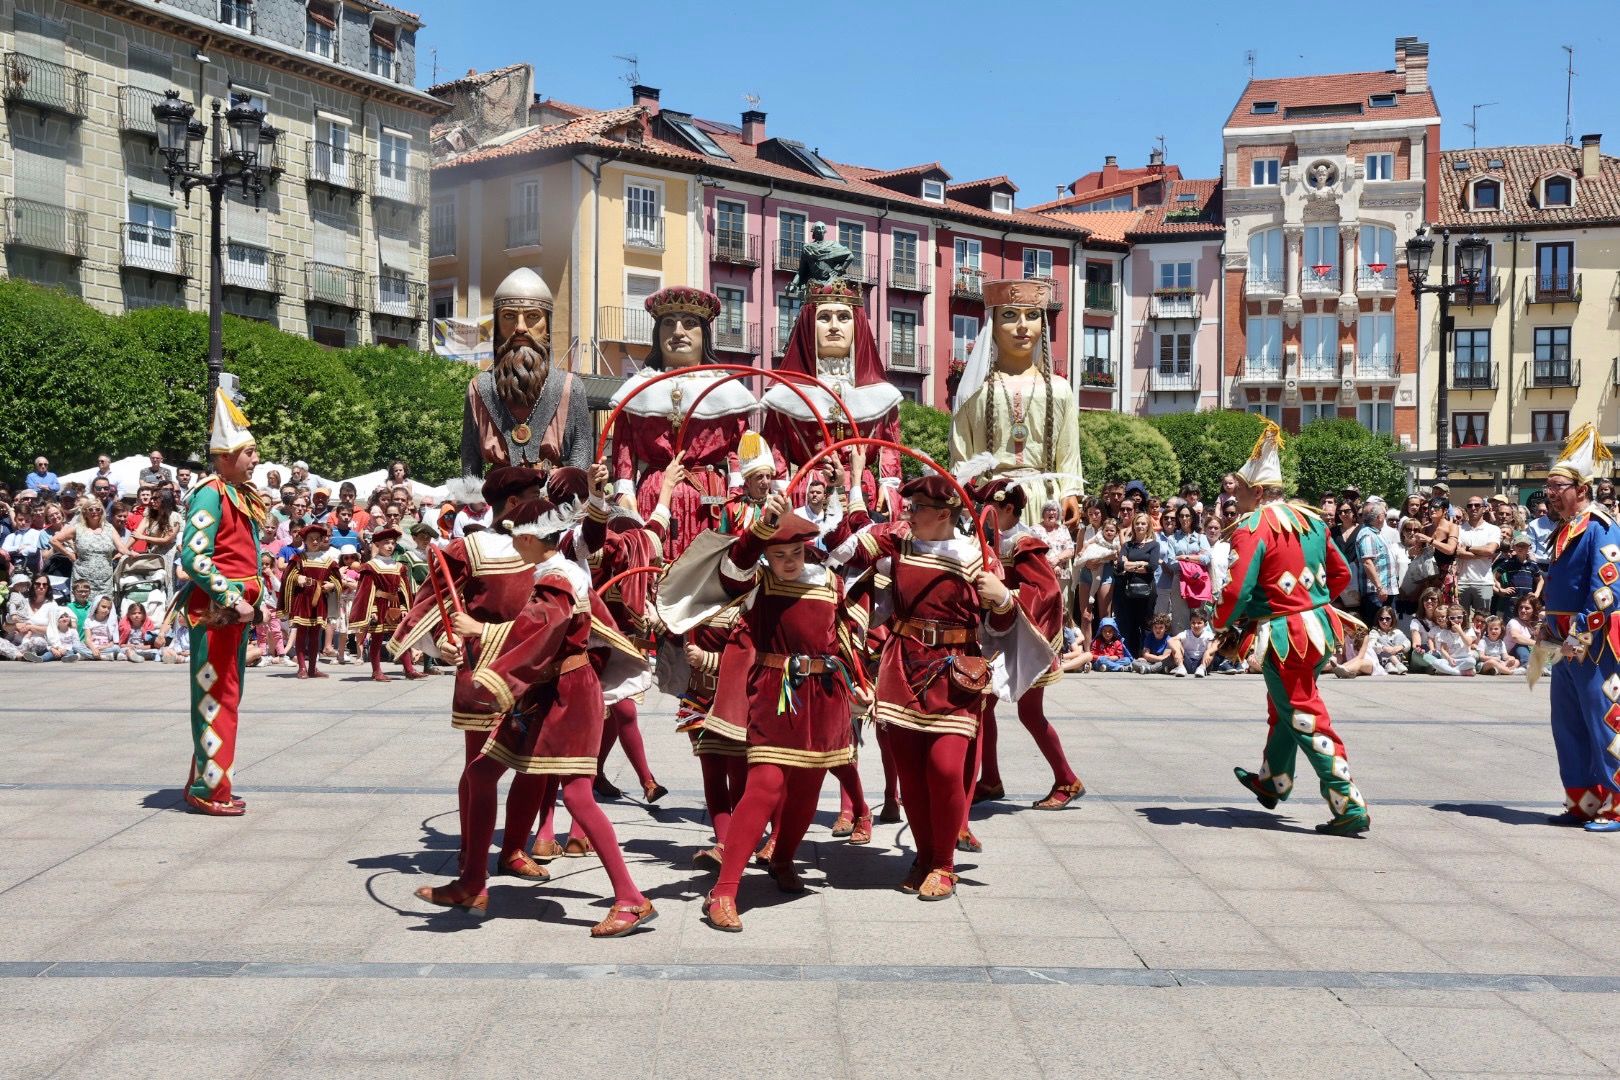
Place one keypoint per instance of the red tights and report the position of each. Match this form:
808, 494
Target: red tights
621, 727
1032, 714
723, 782
376, 653
522, 807
307, 649
481, 778
851, 797
931, 792
795, 791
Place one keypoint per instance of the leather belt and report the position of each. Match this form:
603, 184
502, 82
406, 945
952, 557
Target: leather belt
553, 671
800, 663
702, 680
932, 633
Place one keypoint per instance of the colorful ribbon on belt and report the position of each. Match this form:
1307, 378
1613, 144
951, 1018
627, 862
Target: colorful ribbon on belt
793, 677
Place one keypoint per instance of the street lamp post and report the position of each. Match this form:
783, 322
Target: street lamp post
1470, 275
242, 159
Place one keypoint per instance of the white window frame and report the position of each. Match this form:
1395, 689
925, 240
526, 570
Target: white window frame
333, 162
1263, 337
1379, 166
1473, 188
389, 183
1377, 417
1311, 411
916, 331
1322, 332
723, 322
857, 228
1043, 258
637, 319
1173, 270
242, 15
971, 247
519, 206
1001, 202
933, 191
446, 288
153, 243
313, 31
1265, 172
914, 263
375, 49
443, 204
1181, 366
1542, 192
964, 332
1271, 410
259, 99
739, 235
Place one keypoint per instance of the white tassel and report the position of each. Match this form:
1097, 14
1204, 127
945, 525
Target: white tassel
974, 467
464, 490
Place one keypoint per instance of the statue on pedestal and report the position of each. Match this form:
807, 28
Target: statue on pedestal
820, 262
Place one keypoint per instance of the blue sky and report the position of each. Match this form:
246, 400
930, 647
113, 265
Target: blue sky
988, 89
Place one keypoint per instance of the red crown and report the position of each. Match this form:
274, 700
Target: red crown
836, 291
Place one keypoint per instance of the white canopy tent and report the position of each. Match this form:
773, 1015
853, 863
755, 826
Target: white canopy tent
365, 482
126, 473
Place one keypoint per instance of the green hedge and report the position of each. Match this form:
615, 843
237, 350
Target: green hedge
1131, 449
925, 429
1213, 443
1333, 454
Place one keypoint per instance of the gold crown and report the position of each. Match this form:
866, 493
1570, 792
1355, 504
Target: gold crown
836, 291
1017, 292
683, 300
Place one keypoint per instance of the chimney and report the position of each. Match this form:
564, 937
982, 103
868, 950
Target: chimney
1400, 53
1110, 171
645, 96
1591, 158
753, 125
1156, 159
1417, 67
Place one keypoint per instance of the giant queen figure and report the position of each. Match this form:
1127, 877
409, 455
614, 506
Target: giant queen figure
523, 411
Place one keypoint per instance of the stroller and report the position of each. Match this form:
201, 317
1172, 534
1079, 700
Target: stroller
144, 580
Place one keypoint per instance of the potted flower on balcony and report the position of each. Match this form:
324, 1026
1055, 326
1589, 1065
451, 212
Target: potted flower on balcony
1103, 378
1322, 270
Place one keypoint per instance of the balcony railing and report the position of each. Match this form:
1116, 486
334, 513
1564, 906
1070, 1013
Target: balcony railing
908, 275
1055, 301
1552, 374
336, 285
334, 165
862, 268
155, 250
1369, 280
735, 337
734, 249
399, 297
1486, 293
1172, 380
403, 184
1175, 304
644, 235
908, 356
1263, 283
1262, 369
779, 340
522, 230
135, 110
1376, 366
627, 325
1555, 288
254, 269
786, 255
1318, 369
967, 283
1098, 372
1473, 375
442, 241
1100, 297
1319, 281
45, 85
46, 227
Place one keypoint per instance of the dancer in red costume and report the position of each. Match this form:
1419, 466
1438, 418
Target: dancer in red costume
538, 671
381, 600
308, 592
644, 434
785, 689
932, 676
494, 582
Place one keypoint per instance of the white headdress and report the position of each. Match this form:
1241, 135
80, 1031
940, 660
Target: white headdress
1264, 467
550, 525
754, 454
1582, 455
982, 360
230, 432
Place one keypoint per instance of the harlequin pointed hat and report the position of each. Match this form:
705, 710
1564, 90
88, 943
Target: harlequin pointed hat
1583, 455
231, 429
754, 453
1264, 467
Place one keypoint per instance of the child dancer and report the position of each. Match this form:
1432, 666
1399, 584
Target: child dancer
381, 599
308, 592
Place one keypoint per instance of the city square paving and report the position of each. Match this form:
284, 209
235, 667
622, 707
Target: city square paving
1165, 927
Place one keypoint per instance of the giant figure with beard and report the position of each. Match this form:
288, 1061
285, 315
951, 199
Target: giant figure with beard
522, 411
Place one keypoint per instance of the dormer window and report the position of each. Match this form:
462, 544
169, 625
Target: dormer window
1557, 191
321, 29
1001, 202
1263, 108
1381, 101
384, 41
1485, 195
933, 191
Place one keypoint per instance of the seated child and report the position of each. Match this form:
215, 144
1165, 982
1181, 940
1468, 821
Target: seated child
1193, 646
1158, 649
1390, 643
1108, 651
1495, 652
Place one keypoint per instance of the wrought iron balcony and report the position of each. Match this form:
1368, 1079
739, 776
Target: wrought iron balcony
736, 337
1486, 293
787, 255
1173, 379
1321, 279
1473, 375
1555, 289
45, 85
1375, 278
908, 275
779, 340
522, 231
734, 249
1175, 304
335, 166
135, 110
338, 286
862, 268
910, 357
1055, 300
1098, 371
1317, 369
1263, 283
967, 283
397, 296
254, 269
1101, 297
157, 251
1553, 374
644, 235
1376, 367
46, 227
1263, 369
627, 325
406, 185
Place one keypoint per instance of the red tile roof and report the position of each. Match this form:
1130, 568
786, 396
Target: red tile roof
1353, 88
1597, 198
1129, 180
910, 170
989, 181
1158, 222
1107, 227
397, 11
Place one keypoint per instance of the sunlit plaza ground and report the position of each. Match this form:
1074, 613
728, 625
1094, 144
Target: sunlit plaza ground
1164, 927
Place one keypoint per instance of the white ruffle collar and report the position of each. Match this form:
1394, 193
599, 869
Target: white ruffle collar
868, 403
658, 400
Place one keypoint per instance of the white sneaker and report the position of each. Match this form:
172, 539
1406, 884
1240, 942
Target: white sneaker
70, 658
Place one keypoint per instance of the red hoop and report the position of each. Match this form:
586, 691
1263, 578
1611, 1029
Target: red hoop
632, 572
444, 594
613, 417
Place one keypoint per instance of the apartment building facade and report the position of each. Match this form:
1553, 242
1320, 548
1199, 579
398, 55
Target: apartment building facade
1533, 353
335, 248
1325, 179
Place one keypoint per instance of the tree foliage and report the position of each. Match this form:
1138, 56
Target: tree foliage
1212, 443
418, 399
1131, 449
1333, 454
927, 430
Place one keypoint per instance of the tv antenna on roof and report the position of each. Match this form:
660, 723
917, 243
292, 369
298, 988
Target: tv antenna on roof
633, 75
1249, 58
753, 101
1473, 125
1569, 96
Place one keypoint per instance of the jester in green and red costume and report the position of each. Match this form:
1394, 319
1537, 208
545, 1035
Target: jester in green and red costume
1284, 570
219, 553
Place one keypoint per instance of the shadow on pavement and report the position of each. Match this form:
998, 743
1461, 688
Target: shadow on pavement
1507, 815
171, 798
1217, 817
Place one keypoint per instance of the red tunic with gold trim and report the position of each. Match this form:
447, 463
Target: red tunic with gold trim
613, 545
538, 670
791, 702
644, 445
310, 602
494, 582
932, 658
713, 638
381, 598
1029, 574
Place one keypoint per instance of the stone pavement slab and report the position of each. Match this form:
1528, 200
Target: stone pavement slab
1164, 926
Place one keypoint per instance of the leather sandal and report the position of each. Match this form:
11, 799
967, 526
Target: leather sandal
889, 813
577, 848
913, 879
709, 858
1061, 795
843, 826
938, 885
966, 841
862, 833
654, 791
520, 865
988, 792
546, 850
616, 925
721, 913
446, 896
787, 878
763, 855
